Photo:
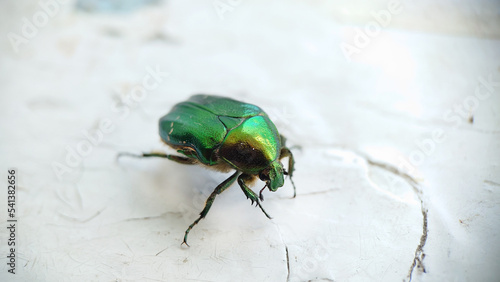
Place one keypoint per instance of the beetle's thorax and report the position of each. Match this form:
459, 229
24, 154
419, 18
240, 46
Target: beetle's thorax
252, 146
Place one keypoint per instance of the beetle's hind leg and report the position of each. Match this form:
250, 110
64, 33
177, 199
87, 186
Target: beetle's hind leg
177, 159
249, 193
285, 152
219, 189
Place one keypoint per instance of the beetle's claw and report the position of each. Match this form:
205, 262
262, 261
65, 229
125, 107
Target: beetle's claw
256, 202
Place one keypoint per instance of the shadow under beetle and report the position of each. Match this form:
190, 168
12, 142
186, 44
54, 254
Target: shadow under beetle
226, 134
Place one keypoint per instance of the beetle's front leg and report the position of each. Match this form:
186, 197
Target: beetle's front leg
219, 189
249, 193
177, 159
285, 152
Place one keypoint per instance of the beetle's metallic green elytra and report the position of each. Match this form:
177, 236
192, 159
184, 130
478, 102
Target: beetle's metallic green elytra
226, 134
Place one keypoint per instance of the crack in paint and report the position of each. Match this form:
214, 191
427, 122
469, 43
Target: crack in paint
491, 182
287, 263
286, 252
81, 220
312, 193
419, 252
151, 217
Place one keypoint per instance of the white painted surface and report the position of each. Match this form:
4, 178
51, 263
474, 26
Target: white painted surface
362, 125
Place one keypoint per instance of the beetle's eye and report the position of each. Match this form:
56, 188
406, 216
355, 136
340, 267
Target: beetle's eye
264, 176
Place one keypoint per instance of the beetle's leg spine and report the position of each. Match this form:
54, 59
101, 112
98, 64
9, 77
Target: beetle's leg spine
249, 193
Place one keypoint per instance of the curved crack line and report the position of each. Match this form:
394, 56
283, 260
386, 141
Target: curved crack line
287, 264
311, 193
150, 217
85, 220
286, 252
419, 252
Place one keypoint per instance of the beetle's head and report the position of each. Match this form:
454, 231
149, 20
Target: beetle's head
273, 176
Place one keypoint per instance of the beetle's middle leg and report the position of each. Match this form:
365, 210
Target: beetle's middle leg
249, 193
177, 159
219, 189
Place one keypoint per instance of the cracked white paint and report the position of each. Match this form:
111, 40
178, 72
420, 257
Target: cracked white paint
358, 215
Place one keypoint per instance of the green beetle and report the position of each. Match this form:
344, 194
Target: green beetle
226, 134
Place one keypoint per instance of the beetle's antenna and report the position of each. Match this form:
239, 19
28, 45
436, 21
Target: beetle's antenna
261, 197
293, 184
294, 189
